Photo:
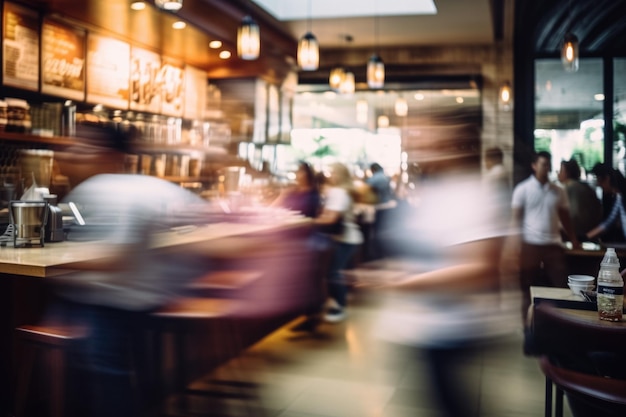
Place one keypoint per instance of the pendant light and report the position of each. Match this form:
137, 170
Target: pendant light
308, 49
336, 78
248, 39
505, 95
347, 85
375, 66
401, 107
569, 53
171, 5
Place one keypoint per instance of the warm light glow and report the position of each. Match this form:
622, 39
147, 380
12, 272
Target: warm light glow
383, 121
375, 72
224, 54
418, 96
569, 53
401, 107
138, 5
215, 44
179, 25
336, 78
308, 53
598, 97
459, 100
173, 5
248, 39
347, 86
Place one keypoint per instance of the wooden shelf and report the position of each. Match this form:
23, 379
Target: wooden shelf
45, 140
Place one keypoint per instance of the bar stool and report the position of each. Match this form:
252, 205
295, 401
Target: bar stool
55, 343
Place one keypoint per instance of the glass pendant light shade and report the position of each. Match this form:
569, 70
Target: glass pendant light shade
308, 52
401, 107
172, 5
569, 53
336, 78
383, 121
375, 72
248, 39
347, 85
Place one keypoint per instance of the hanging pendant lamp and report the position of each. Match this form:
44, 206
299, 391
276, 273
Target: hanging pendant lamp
505, 95
347, 85
171, 5
336, 78
248, 39
375, 72
401, 107
569, 53
308, 52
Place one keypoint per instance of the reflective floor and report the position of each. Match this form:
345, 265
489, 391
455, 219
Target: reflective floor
342, 370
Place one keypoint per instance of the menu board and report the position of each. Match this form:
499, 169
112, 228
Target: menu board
20, 44
144, 90
108, 71
195, 93
170, 81
63, 59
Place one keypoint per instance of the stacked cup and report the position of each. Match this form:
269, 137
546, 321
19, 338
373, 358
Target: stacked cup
578, 283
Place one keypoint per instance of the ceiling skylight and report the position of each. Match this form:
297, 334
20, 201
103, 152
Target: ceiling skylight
328, 9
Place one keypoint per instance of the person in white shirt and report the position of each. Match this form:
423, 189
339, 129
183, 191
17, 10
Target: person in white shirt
339, 202
540, 208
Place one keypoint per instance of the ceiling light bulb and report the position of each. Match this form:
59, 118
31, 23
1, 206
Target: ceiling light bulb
179, 25
224, 54
383, 121
598, 97
418, 96
172, 5
138, 5
215, 44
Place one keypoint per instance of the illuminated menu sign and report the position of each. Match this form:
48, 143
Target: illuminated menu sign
108, 71
144, 90
20, 43
63, 61
171, 81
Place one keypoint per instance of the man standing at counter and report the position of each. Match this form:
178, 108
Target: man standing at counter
540, 207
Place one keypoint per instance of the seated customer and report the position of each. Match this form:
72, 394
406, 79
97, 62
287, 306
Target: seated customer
618, 211
584, 207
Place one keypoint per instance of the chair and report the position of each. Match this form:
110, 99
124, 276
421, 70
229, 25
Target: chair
568, 344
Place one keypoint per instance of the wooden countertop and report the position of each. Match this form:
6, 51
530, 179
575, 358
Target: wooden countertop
56, 258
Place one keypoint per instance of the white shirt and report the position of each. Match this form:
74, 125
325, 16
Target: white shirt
540, 204
338, 199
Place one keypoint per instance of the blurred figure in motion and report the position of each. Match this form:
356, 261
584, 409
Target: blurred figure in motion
339, 207
615, 183
114, 292
385, 203
448, 304
540, 209
584, 207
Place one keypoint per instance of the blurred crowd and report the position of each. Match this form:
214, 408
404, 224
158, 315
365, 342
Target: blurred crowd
461, 241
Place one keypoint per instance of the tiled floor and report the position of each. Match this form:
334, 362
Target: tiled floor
342, 370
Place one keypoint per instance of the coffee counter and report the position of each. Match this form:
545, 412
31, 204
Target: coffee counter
26, 284
58, 258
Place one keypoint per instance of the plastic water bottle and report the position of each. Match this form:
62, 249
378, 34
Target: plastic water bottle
610, 288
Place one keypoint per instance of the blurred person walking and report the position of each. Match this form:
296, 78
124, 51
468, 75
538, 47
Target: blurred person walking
539, 209
338, 207
448, 306
584, 207
114, 293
